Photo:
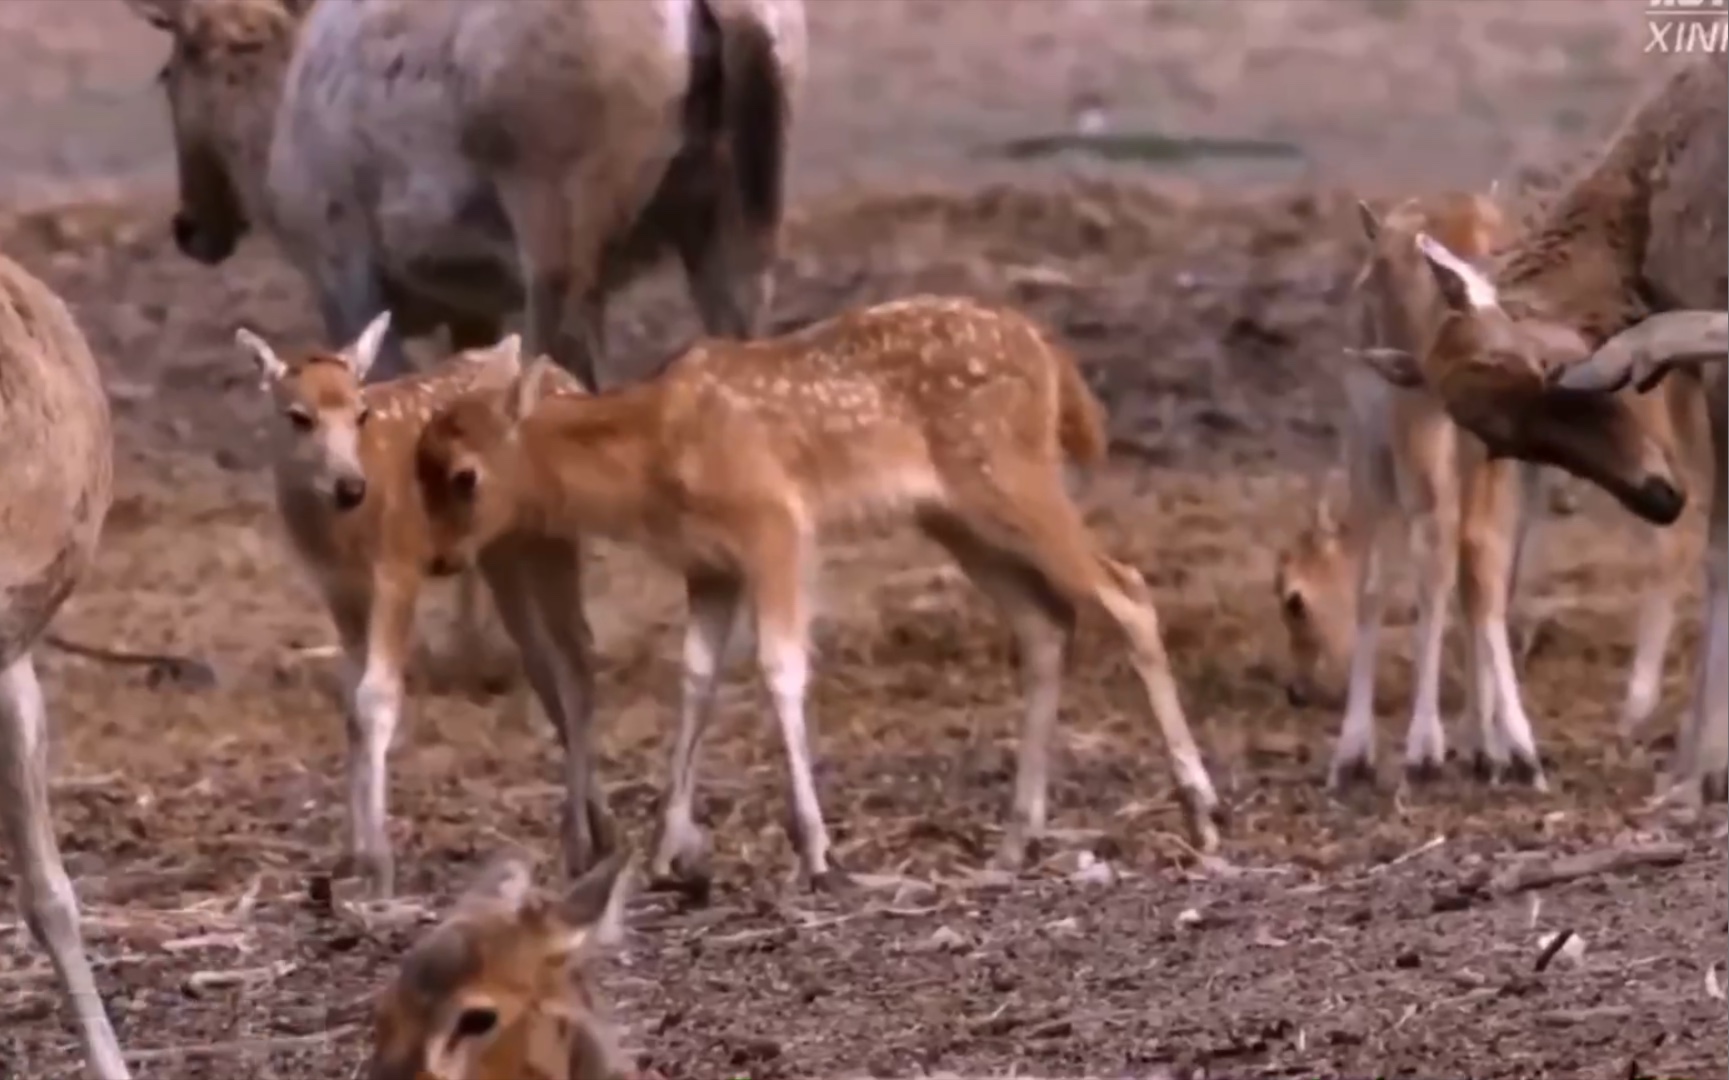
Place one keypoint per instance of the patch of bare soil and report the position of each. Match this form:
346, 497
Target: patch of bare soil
1359, 936
1208, 326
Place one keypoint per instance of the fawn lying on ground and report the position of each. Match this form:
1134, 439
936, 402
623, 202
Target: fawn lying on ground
1402, 450
732, 463
498, 992
345, 488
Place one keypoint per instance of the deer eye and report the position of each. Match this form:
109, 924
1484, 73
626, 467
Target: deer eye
1295, 606
363, 416
301, 419
474, 1023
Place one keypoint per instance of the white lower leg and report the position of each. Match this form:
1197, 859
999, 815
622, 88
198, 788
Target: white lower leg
1426, 741
373, 717
1041, 658
1644, 680
711, 622
1515, 725
1482, 700
1356, 745
786, 670
45, 892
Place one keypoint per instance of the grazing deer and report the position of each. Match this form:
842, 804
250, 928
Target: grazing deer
1544, 354
733, 462
454, 162
1460, 508
55, 492
344, 464
498, 990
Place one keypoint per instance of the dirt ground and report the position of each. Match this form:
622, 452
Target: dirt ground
1346, 937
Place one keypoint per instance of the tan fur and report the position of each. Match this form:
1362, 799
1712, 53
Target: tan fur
421, 157
734, 462
370, 557
499, 990
1462, 510
1536, 357
54, 496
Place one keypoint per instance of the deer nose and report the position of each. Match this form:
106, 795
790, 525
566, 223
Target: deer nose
350, 492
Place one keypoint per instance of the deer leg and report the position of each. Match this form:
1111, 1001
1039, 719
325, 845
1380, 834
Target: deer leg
1365, 533
1655, 626
1043, 622
779, 564
538, 590
714, 602
378, 655
1498, 502
1436, 534
45, 892
1701, 760
730, 272
1040, 525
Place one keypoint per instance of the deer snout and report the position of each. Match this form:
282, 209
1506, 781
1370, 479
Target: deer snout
444, 565
208, 246
349, 492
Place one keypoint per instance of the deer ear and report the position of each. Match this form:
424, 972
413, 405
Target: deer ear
593, 907
1370, 222
525, 392
1462, 285
504, 883
270, 366
162, 14
364, 351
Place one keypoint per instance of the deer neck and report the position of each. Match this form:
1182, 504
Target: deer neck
591, 462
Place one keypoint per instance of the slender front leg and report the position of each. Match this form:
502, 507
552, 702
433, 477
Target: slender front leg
778, 589
1437, 536
375, 709
45, 893
1354, 755
714, 601
537, 587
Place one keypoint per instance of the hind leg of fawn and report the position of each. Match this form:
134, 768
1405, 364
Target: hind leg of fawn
1026, 514
1492, 552
45, 893
714, 599
1655, 627
1043, 622
1435, 547
537, 585
375, 632
779, 553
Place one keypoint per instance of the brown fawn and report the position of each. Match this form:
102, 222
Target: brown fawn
499, 990
344, 465
732, 463
1467, 514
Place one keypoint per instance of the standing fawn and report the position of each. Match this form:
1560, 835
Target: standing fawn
498, 991
344, 465
1402, 451
55, 491
1549, 353
733, 462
